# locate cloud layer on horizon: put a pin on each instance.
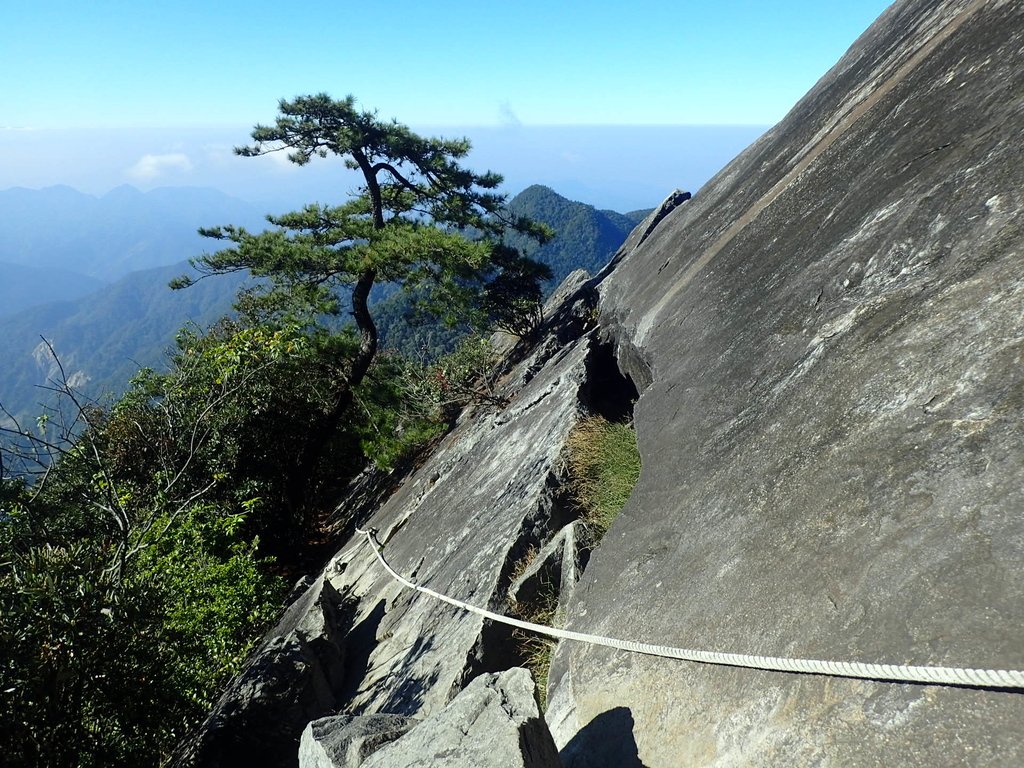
(153, 166)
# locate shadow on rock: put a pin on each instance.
(361, 641)
(607, 741)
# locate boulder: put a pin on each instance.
(344, 741)
(493, 723)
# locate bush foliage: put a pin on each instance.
(139, 569)
(142, 560)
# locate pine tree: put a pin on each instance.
(419, 220)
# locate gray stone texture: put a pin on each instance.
(833, 330)
(292, 678)
(460, 524)
(555, 569)
(493, 723)
(344, 741)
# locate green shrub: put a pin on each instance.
(101, 665)
(537, 651)
(407, 404)
(85, 678)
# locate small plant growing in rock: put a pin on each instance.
(536, 650)
(521, 566)
(604, 464)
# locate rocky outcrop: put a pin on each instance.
(828, 344)
(554, 569)
(493, 722)
(831, 438)
(292, 678)
(344, 741)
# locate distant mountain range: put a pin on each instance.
(104, 238)
(585, 238)
(23, 286)
(104, 338)
(104, 333)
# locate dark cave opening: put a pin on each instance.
(608, 392)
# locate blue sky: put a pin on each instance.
(126, 91)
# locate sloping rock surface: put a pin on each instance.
(555, 569)
(832, 435)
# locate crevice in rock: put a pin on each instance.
(607, 391)
(553, 546)
(923, 155)
(607, 400)
(495, 650)
(498, 647)
(360, 643)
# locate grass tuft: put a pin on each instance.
(604, 463)
(536, 650)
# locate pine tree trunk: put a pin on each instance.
(300, 484)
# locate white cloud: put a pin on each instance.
(280, 159)
(151, 166)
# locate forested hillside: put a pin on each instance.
(584, 238)
(105, 335)
(104, 338)
(23, 286)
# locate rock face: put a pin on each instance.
(555, 568)
(494, 722)
(828, 340)
(831, 437)
(345, 742)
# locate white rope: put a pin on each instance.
(986, 678)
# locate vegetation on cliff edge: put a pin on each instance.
(143, 554)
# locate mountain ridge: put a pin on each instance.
(824, 346)
(106, 335)
(106, 237)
